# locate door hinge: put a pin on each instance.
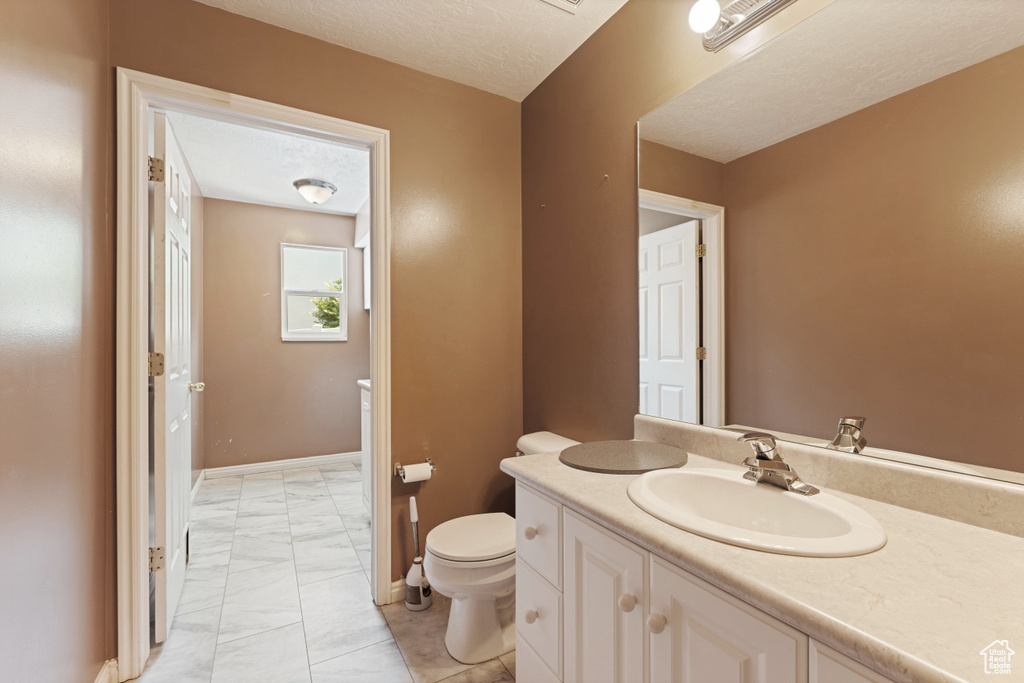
(702, 250)
(156, 170)
(702, 353)
(156, 559)
(156, 364)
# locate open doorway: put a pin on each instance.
(681, 306)
(260, 303)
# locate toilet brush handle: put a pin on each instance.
(414, 514)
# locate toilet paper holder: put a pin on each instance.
(400, 471)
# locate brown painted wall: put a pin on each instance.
(671, 171)
(579, 229)
(268, 399)
(455, 200)
(874, 267)
(57, 604)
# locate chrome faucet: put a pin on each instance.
(849, 438)
(768, 467)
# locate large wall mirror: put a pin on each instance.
(858, 184)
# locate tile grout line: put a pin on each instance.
(227, 573)
(298, 589)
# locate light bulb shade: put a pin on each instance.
(315, 191)
(704, 15)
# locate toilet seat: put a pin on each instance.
(475, 538)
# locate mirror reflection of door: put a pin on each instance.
(669, 317)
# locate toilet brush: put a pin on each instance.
(417, 588)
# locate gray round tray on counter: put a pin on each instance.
(622, 457)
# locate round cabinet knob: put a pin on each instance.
(627, 602)
(198, 386)
(656, 623)
(531, 616)
(530, 533)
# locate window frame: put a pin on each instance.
(324, 336)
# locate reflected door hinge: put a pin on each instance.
(702, 353)
(702, 250)
(156, 170)
(156, 559)
(156, 364)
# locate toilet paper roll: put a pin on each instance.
(418, 472)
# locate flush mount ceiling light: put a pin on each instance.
(315, 191)
(722, 25)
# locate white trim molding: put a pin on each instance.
(196, 486)
(398, 591)
(713, 294)
(107, 674)
(138, 94)
(279, 465)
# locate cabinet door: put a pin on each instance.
(699, 634)
(829, 666)
(604, 605)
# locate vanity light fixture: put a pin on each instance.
(722, 25)
(315, 191)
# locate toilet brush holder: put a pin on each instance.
(417, 589)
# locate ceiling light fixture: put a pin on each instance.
(315, 191)
(722, 25)
(704, 15)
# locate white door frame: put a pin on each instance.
(712, 294)
(137, 93)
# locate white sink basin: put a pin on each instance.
(724, 506)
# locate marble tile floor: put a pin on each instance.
(278, 591)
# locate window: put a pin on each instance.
(314, 306)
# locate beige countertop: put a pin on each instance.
(920, 609)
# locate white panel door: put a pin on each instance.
(699, 634)
(604, 605)
(669, 304)
(366, 446)
(172, 315)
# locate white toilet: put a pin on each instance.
(472, 560)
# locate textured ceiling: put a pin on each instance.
(850, 55)
(506, 47)
(243, 164)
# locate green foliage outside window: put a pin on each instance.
(327, 311)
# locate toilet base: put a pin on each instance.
(480, 629)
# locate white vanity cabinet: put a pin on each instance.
(604, 604)
(829, 666)
(627, 616)
(700, 633)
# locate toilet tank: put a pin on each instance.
(542, 442)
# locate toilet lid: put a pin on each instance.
(474, 538)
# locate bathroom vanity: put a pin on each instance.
(607, 592)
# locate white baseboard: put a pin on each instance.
(276, 465)
(398, 591)
(195, 487)
(108, 674)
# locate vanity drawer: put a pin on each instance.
(539, 616)
(530, 668)
(539, 533)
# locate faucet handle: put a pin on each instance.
(855, 422)
(763, 444)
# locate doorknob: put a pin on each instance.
(530, 616)
(530, 533)
(198, 386)
(627, 602)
